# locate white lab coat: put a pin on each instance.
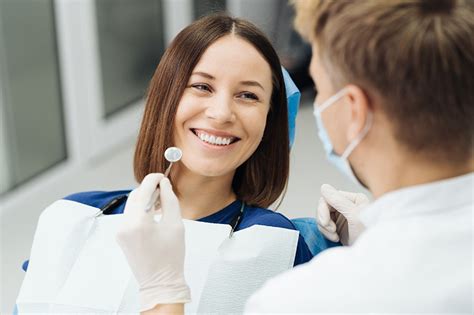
(416, 255)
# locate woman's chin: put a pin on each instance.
(212, 171)
(204, 167)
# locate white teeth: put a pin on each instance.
(213, 139)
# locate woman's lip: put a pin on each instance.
(216, 133)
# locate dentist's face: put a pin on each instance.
(221, 116)
(335, 117)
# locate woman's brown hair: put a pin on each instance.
(261, 179)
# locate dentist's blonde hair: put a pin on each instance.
(416, 56)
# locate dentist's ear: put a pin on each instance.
(359, 104)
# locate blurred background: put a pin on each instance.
(73, 74)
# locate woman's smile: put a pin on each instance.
(215, 137)
(211, 142)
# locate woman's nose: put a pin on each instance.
(220, 109)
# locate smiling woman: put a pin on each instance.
(225, 74)
(219, 95)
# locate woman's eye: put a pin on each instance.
(249, 96)
(201, 87)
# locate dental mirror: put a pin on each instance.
(172, 155)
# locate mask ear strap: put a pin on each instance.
(359, 137)
(331, 100)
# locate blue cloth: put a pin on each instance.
(293, 97)
(314, 239)
(251, 216)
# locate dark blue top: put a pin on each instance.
(251, 216)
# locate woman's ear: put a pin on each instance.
(359, 105)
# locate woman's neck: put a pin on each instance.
(200, 196)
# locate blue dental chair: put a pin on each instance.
(314, 239)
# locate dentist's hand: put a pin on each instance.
(338, 214)
(155, 250)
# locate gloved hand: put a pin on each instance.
(155, 250)
(338, 214)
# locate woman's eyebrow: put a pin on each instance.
(210, 77)
(252, 83)
(203, 74)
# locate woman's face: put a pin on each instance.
(222, 114)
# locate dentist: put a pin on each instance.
(395, 112)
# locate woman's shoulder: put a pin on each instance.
(262, 216)
(96, 199)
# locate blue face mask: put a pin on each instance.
(340, 161)
(293, 96)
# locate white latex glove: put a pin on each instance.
(338, 214)
(155, 250)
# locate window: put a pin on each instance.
(131, 43)
(32, 125)
(204, 7)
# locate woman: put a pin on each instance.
(218, 94)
